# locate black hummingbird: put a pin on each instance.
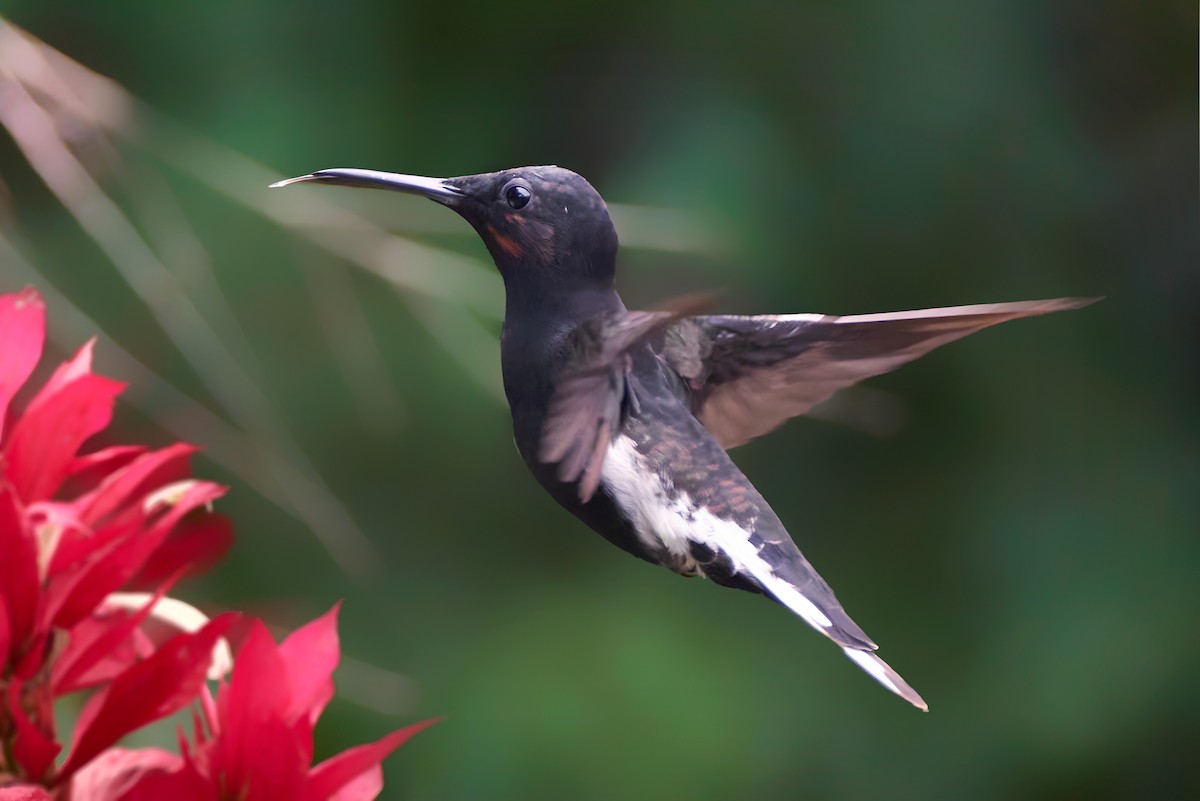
(625, 417)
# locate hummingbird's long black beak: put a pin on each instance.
(433, 188)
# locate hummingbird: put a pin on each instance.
(625, 417)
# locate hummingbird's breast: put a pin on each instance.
(530, 365)
(535, 350)
(667, 473)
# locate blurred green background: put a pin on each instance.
(1024, 548)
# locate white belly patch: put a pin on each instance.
(644, 495)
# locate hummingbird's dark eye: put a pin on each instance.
(517, 196)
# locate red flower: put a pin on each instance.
(256, 742)
(61, 627)
(76, 532)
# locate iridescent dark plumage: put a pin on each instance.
(625, 417)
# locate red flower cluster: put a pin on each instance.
(68, 622)
(256, 741)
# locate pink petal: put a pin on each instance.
(55, 524)
(366, 786)
(109, 775)
(311, 654)
(164, 683)
(78, 366)
(143, 774)
(33, 748)
(18, 580)
(24, 792)
(22, 332)
(338, 772)
(44, 442)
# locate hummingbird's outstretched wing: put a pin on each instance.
(748, 374)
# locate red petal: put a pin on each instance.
(74, 664)
(269, 766)
(83, 636)
(311, 654)
(44, 442)
(90, 468)
(256, 750)
(4, 634)
(208, 713)
(337, 772)
(145, 474)
(256, 691)
(25, 792)
(63, 585)
(33, 749)
(193, 547)
(164, 683)
(22, 332)
(75, 368)
(73, 594)
(120, 492)
(18, 579)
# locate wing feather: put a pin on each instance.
(748, 374)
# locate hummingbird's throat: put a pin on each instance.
(523, 240)
(510, 246)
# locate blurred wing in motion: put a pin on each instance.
(748, 374)
(590, 395)
(589, 398)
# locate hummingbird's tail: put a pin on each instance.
(788, 578)
(821, 611)
(882, 672)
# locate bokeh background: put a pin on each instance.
(1023, 543)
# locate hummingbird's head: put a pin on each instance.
(544, 226)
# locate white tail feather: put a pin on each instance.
(888, 678)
